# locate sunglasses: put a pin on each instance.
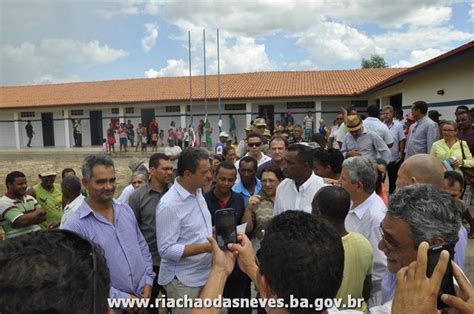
(254, 144)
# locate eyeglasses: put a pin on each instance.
(391, 245)
(257, 144)
(448, 130)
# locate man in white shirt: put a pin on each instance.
(173, 152)
(358, 178)
(398, 149)
(72, 197)
(297, 191)
(255, 147)
(332, 142)
(183, 223)
(372, 123)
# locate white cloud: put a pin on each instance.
(52, 60)
(173, 68)
(149, 41)
(471, 13)
(244, 56)
(418, 56)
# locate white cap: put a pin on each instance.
(223, 134)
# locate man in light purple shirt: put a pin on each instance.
(112, 225)
(183, 224)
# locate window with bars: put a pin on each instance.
(78, 112)
(172, 109)
(115, 111)
(27, 114)
(130, 110)
(300, 105)
(233, 107)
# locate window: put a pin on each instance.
(172, 109)
(130, 110)
(233, 107)
(115, 111)
(300, 105)
(78, 112)
(360, 103)
(27, 114)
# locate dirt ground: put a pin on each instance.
(29, 162)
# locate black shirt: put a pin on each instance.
(236, 201)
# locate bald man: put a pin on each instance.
(422, 168)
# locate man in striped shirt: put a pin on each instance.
(19, 213)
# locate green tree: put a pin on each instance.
(375, 61)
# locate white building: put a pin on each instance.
(444, 82)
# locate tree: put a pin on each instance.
(375, 61)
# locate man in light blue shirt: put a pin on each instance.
(423, 133)
(359, 142)
(248, 184)
(112, 225)
(183, 224)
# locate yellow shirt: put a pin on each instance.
(441, 151)
(51, 202)
(358, 261)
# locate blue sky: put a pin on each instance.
(46, 42)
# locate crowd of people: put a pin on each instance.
(317, 221)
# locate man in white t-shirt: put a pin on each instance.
(332, 142)
(173, 152)
(297, 191)
(358, 178)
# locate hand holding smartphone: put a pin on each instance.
(447, 284)
(226, 229)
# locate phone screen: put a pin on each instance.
(447, 284)
(226, 231)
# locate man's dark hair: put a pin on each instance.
(333, 201)
(373, 111)
(94, 160)
(275, 169)
(278, 138)
(71, 183)
(154, 161)
(304, 154)
(12, 176)
(254, 134)
(189, 159)
(249, 159)
(226, 165)
(67, 170)
(298, 251)
(453, 177)
(53, 271)
(332, 157)
(421, 106)
(462, 107)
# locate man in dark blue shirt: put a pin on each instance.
(219, 197)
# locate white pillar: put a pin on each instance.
(248, 114)
(318, 107)
(182, 115)
(16, 127)
(67, 125)
(122, 114)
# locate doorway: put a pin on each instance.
(268, 113)
(47, 124)
(95, 118)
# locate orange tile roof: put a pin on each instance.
(245, 86)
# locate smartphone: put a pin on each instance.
(447, 284)
(226, 228)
